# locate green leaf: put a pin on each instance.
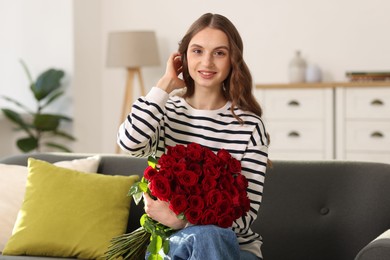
(27, 144)
(17, 119)
(27, 71)
(46, 83)
(17, 103)
(143, 219)
(47, 122)
(155, 244)
(152, 161)
(137, 197)
(64, 135)
(58, 146)
(53, 98)
(166, 246)
(143, 186)
(181, 216)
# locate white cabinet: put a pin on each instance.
(299, 121)
(363, 131)
(349, 121)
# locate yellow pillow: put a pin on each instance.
(67, 213)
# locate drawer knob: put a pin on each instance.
(294, 134)
(293, 103)
(377, 134)
(377, 102)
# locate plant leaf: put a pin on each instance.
(64, 135)
(166, 246)
(16, 119)
(46, 83)
(17, 103)
(27, 71)
(46, 122)
(27, 144)
(58, 146)
(53, 98)
(155, 244)
(152, 161)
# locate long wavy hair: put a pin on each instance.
(237, 87)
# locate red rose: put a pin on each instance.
(196, 168)
(210, 157)
(195, 152)
(178, 167)
(223, 207)
(224, 156)
(245, 202)
(234, 166)
(160, 187)
(193, 215)
(208, 183)
(226, 182)
(241, 182)
(225, 221)
(166, 161)
(149, 172)
(237, 212)
(178, 151)
(196, 202)
(209, 217)
(178, 204)
(213, 197)
(187, 178)
(167, 174)
(210, 170)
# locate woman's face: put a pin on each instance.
(208, 58)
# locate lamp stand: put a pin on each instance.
(128, 97)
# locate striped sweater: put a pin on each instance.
(159, 120)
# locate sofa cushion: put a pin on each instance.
(68, 213)
(12, 188)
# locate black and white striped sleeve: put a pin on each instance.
(139, 132)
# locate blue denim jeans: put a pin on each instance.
(206, 242)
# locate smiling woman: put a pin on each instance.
(217, 111)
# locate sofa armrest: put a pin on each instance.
(378, 249)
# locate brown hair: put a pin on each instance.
(238, 84)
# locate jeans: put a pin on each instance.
(204, 243)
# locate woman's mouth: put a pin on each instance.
(206, 74)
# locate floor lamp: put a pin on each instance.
(132, 50)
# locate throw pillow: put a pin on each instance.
(13, 185)
(69, 213)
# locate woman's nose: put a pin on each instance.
(208, 60)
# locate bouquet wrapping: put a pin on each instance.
(202, 187)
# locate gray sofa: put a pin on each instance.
(314, 210)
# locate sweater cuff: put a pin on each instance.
(158, 96)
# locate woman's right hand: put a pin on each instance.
(170, 81)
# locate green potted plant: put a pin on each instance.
(40, 127)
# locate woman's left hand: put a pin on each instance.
(159, 211)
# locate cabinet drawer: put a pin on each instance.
(367, 136)
(368, 103)
(298, 103)
(296, 136)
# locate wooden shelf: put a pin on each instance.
(325, 84)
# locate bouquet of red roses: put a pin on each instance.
(202, 187)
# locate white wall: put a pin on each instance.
(39, 32)
(338, 35)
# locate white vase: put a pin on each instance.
(313, 73)
(297, 69)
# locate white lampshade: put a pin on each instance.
(132, 49)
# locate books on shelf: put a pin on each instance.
(368, 75)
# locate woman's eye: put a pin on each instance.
(219, 53)
(197, 51)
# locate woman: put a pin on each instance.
(217, 110)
